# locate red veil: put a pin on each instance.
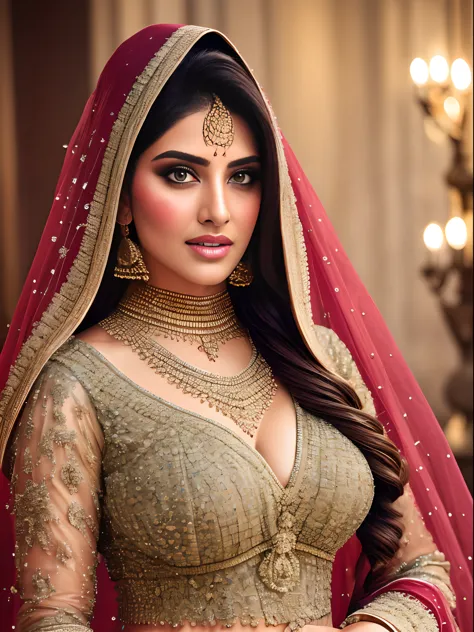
(326, 295)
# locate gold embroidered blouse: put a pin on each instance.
(194, 525)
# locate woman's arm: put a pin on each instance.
(56, 487)
(395, 605)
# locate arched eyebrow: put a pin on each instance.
(197, 160)
(243, 161)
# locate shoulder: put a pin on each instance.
(75, 361)
(97, 338)
(95, 360)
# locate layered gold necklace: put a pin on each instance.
(210, 321)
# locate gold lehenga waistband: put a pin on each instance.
(163, 571)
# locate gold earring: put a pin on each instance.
(130, 263)
(241, 276)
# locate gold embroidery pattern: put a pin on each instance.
(80, 520)
(58, 434)
(33, 513)
(64, 436)
(403, 611)
(58, 395)
(46, 445)
(63, 553)
(27, 461)
(71, 475)
(42, 586)
(30, 406)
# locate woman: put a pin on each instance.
(205, 428)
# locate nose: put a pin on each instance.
(214, 207)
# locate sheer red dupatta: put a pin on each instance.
(325, 292)
(339, 301)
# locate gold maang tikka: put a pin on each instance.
(218, 126)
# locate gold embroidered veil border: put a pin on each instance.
(70, 304)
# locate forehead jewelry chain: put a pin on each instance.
(218, 126)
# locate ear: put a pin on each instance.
(124, 212)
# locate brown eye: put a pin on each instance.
(242, 177)
(179, 175)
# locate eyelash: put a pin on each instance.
(250, 172)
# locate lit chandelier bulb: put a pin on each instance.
(439, 69)
(456, 233)
(452, 108)
(419, 71)
(433, 237)
(461, 74)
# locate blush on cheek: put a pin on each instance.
(153, 206)
(249, 213)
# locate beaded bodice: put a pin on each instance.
(195, 524)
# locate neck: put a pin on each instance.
(167, 280)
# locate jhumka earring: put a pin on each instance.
(241, 276)
(130, 263)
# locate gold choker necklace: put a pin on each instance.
(207, 320)
(243, 397)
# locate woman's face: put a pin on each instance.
(182, 192)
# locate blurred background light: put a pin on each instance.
(433, 237)
(461, 74)
(439, 69)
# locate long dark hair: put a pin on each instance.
(264, 307)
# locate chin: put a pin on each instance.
(206, 273)
(209, 279)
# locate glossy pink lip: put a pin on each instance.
(211, 252)
(211, 239)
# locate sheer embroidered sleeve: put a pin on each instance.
(56, 488)
(398, 609)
